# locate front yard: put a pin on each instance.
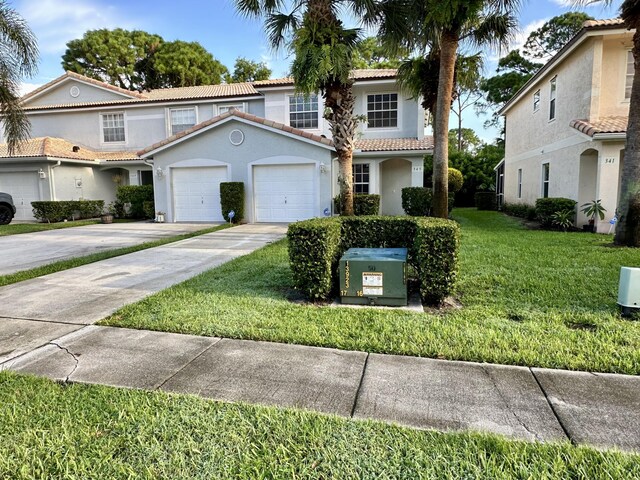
(530, 298)
(49, 430)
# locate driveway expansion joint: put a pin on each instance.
(357, 396)
(553, 410)
(158, 387)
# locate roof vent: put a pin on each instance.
(76, 149)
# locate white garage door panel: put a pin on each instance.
(23, 187)
(284, 193)
(196, 193)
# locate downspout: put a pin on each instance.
(52, 183)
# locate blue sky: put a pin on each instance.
(215, 24)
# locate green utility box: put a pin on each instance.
(374, 276)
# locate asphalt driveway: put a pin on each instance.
(31, 250)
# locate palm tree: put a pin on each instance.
(442, 25)
(628, 226)
(323, 58)
(18, 58)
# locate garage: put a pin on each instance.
(23, 187)
(196, 193)
(284, 193)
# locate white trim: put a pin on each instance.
(237, 119)
(365, 109)
(625, 74)
(167, 117)
(244, 105)
(519, 184)
(542, 179)
(610, 136)
(287, 112)
(62, 81)
(553, 97)
(536, 107)
(101, 132)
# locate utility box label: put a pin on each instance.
(372, 283)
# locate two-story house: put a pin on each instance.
(566, 127)
(88, 137)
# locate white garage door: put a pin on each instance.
(23, 187)
(284, 193)
(196, 194)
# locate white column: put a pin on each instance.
(607, 182)
(417, 172)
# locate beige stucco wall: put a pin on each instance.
(614, 66)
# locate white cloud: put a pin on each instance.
(26, 87)
(56, 22)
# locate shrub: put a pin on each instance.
(57, 211)
(363, 204)
(149, 209)
(416, 201)
(455, 180)
(546, 207)
(315, 247)
(135, 195)
(232, 198)
(521, 210)
(486, 200)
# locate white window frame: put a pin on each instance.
(536, 101)
(242, 106)
(354, 173)
(546, 168)
(365, 109)
(519, 192)
(553, 95)
(627, 74)
(124, 120)
(289, 112)
(171, 109)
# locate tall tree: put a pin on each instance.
(245, 70)
(546, 41)
(466, 90)
(186, 64)
(18, 59)
(444, 25)
(628, 226)
(323, 52)
(370, 53)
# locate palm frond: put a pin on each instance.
(279, 26)
(494, 30)
(20, 48)
(257, 8)
(15, 122)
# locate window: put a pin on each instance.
(552, 98)
(519, 183)
(545, 180)
(225, 108)
(113, 127)
(629, 77)
(181, 119)
(360, 178)
(303, 111)
(145, 177)
(382, 110)
(536, 101)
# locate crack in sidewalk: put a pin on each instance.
(73, 355)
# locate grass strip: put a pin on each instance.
(73, 431)
(18, 228)
(96, 257)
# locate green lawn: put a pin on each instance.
(530, 298)
(72, 431)
(96, 257)
(16, 228)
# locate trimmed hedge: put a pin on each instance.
(136, 195)
(416, 201)
(149, 209)
(315, 248)
(363, 204)
(486, 200)
(232, 198)
(456, 180)
(521, 210)
(546, 207)
(52, 211)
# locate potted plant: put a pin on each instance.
(107, 213)
(160, 217)
(591, 210)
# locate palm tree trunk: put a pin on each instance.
(628, 227)
(448, 52)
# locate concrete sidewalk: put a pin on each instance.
(601, 410)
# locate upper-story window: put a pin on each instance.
(303, 111)
(225, 108)
(113, 128)
(360, 177)
(629, 77)
(181, 119)
(536, 101)
(552, 98)
(382, 110)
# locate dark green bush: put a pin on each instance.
(521, 210)
(486, 200)
(57, 211)
(135, 195)
(315, 247)
(456, 180)
(363, 204)
(149, 209)
(547, 207)
(232, 198)
(416, 201)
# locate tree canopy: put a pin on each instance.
(245, 70)
(370, 53)
(547, 40)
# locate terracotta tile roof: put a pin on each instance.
(608, 22)
(203, 91)
(361, 74)
(60, 148)
(614, 124)
(246, 116)
(394, 144)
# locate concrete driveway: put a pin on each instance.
(31, 250)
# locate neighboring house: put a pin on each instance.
(566, 128)
(89, 136)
